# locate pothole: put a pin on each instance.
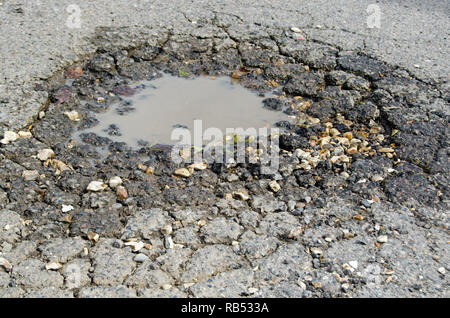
(341, 136)
(159, 106)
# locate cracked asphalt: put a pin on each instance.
(358, 207)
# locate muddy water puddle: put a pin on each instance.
(168, 102)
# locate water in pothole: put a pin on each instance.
(171, 102)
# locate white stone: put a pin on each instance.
(66, 208)
(45, 154)
(296, 30)
(115, 181)
(25, 134)
(182, 172)
(72, 115)
(30, 175)
(252, 290)
(353, 264)
(5, 264)
(168, 243)
(135, 246)
(96, 186)
(9, 136)
(241, 195)
(382, 239)
(274, 186)
(198, 166)
(167, 229)
(53, 266)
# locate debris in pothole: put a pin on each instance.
(9, 136)
(96, 186)
(73, 115)
(30, 175)
(115, 181)
(182, 172)
(45, 154)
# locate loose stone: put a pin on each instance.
(66, 208)
(274, 186)
(140, 258)
(73, 115)
(135, 246)
(53, 266)
(9, 136)
(93, 237)
(382, 239)
(198, 166)
(353, 264)
(241, 195)
(167, 229)
(5, 264)
(25, 134)
(115, 181)
(96, 186)
(182, 172)
(121, 193)
(30, 175)
(168, 242)
(45, 154)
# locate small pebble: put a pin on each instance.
(93, 237)
(53, 266)
(198, 166)
(182, 172)
(121, 193)
(441, 270)
(135, 246)
(96, 186)
(233, 177)
(73, 115)
(382, 239)
(30, 175)
(5, 264)
(140, 258)
(45, 154)
(274, 186)
(9, 136)
(66, 208)
(168, 242)
(115, 181)
(167, 229)
(25, 134)
(316, 252)
(353, 264)
(241, 195)
(252, 290)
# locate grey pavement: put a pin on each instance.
(36, 41)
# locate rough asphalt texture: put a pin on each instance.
(359, 216)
